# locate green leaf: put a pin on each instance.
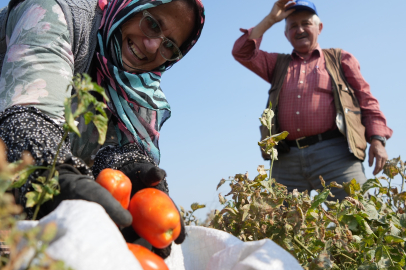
(351, 187)
(392, 239)
(245, 209)
(100, 90)
(37, 187)
(287, 241)
(88, 116)
(363, 224)
(371, 183)
(229, 210)
(393, 229)
(32, 198)
(196, 206)
(320, 198)
(70, 122)
(378, 253)
(99, 106)
(101, 124)
(23, 176)
(371, 211)
(268, 186)
(402, 220)
(351, 222)
(222, 181)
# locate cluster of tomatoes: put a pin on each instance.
(147, 206)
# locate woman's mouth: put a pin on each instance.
(135, 50)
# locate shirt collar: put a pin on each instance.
(317, 52)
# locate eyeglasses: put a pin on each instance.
(151, 28)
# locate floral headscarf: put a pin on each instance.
(138, 105)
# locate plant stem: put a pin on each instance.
(387, 252)
(351, 259)
(270, 170)
(303, 246)
(50, 175)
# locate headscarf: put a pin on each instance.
(137, 103)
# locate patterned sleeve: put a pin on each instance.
(38, 65)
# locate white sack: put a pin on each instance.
(88, 239)
(210, 249)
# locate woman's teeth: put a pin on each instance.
(134, 50)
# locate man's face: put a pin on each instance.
(302, 32)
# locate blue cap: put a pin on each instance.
(304, 5)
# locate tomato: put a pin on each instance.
(117, 183)
(155, 217)
(147, 259)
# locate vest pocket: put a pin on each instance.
(356, 130)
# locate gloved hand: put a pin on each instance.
(143, 175)
(74, 185)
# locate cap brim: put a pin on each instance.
(303, 8)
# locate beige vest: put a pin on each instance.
(348, 117)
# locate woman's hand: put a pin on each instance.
(277, 14)
(143, 175)
(75, 186)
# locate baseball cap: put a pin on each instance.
(304, 5)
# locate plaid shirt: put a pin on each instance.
(306, 101)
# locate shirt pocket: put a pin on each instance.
(323, 80)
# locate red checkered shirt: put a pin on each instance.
(306, 102)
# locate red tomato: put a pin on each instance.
(147, 259)
(155, 217)
(117, 183)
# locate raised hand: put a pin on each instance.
(277, 14)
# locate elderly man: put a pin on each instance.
(320, 98)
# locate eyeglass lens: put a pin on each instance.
(151, 29)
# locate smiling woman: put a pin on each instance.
(126, 45)
(147, 36)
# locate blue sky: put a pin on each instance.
(216, 102)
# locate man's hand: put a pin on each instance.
(277, 14)
(377, 151)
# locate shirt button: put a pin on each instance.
(298, 129)
(298, 96)
(297, 112)
(304, 71)
(304, 62)
(301, 81)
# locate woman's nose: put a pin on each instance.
(152, 44)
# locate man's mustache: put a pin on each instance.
(302, 35)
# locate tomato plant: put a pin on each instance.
(155, 217)
(117, 183)
(147, 259)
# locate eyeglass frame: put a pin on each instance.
(145, 14)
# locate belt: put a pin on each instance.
(307, 141)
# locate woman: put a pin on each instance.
(126, 45)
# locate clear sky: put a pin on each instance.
(216, 102)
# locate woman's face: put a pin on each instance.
(176, 20)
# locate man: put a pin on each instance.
(317, 95)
